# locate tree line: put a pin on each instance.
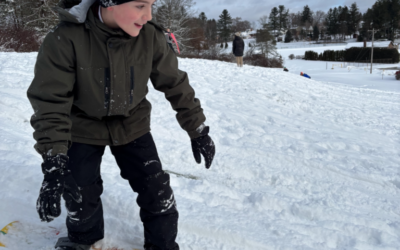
(339, 22)
(29, 19)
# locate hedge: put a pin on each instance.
(361, 54)
(354, 54)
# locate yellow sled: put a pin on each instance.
(5, 230)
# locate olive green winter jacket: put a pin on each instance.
(90, 84)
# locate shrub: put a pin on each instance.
(226, 45)
(288, 37)
(262, 61)
(332, 55)
(291, 56)
(249, 59)
(18, 39)
(311, 55)
(355, 54)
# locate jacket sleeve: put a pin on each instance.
(233, 46)
(51, 94)
(174, 83)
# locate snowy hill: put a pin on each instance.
(300, 164)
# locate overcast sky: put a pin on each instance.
(252, 10)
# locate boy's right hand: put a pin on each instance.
(57, 180)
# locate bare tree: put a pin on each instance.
(318, 18)
(265, 42)
(175, 15)
(42, 16)
(263, 21)
(240, 25)
(29, 14)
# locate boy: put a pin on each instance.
(89, 91)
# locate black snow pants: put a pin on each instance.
(141, 166)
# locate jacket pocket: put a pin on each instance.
(107, 90)
(132, 86)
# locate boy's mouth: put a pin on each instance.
(138, 26)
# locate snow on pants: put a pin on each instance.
(141, 166)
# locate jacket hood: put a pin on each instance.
(74, 11)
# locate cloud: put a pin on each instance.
(252, 10)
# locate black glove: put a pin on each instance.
(204, 145)
(57, 180)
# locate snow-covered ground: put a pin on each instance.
(300, 164)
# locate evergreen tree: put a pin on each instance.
(203, 17)
(273, 19)
(288, 36)
(283, 16)
(315, 33)
(392, 17)
(211, 32)
(332, 21)
(224, 25)
(343, 20)
(354, 18)
(203, 20)
(306, 16)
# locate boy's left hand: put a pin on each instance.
(203, 145)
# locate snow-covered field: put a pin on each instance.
(350, 74)
(300, 164)
(302, 46)
(342, 73)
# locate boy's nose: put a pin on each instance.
(148, 16)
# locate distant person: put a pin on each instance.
(305, 75)
(285, 69)
(238, 48)
(169, 39)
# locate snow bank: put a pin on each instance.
(300, 164)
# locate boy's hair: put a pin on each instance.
(109, 3)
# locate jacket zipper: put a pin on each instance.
(132, 86)
(107, 90)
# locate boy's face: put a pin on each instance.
(131, 16)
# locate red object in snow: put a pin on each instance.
(176, 43)
(397, 75)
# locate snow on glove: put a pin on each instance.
(205, 146)
(57, 180)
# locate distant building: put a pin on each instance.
(249, 33)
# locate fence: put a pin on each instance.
(310, 45)
(362, 63)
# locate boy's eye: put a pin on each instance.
(140, 7)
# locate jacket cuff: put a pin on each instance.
(199, 131)
(51, 149)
